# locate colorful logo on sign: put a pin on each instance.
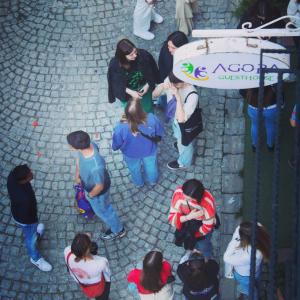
(198, 73)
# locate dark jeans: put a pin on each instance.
(105, 294)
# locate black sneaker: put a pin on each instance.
(109, 235)
(271, 149)
(173, 165)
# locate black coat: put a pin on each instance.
(117, 78)
(165, 62)
(199, 288)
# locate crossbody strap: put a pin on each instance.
(68, 266)
(190, 93)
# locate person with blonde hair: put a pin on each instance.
(137, 135)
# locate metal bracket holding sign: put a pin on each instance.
(230, 58)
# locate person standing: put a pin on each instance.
(24, 212)
(88, 269)
(166, 54)
(137, 135)
(187, 99)
(199, 277)
(143, 14)
(193, 208)
(132, 73)
(269, 115)
(152, 280)
(91, 172)
(237, 256)
(184, 15)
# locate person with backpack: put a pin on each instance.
(184, 99)
(91, 172)
(88, 269)
(137, 136)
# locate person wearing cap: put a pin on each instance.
(24, 212)
(91, 172)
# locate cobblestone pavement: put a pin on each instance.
(53, 61)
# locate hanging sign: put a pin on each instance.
(228, 63)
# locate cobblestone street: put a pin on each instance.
(53, 64)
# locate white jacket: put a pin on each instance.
(238, 258)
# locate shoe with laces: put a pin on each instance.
(42, 264)
(108, 235)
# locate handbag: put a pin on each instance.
(171, 109)
(193, 126)
(82, 204)
(155, 139)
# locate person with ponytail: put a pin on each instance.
(152, 280)
(237, 256)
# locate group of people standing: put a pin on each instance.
(134, 80)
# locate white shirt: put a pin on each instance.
(240, 258)
(88, 271)
(294, 10)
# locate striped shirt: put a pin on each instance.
(180, 206)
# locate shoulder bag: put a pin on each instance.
(193, 126)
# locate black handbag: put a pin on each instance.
(193, 126)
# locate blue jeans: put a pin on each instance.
(205, 246)
(243, 283)
(104, 210)
(149, 164)
(30, 236)
(269, 117)
(186, 153)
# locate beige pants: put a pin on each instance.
(184, 15)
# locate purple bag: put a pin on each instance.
(83, 204)
(171, 109)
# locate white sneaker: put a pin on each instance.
(42, 264)
(40, 229)
(147, 35)
(157, 18)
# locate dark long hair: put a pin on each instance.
(194, 189)
(263, 242)
(80, 246)
(152, 266)
(124, 47)
(134, 114)
(178, 38)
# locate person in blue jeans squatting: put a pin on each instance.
(92, 174)
(269, 115)
(137, 135)
(24, 212)
(237, 256)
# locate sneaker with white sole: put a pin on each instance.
(147, 35)
(174, 165)
(42, 264)
(40, 229)
(157, 18)
(109, 235)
